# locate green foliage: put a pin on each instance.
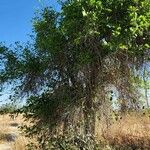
(48, 107)
(75, 142)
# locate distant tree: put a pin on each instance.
(8, 108)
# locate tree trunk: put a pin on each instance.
(89, 111)
(145, 87)
(89, 114)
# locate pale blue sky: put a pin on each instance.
(16, 16)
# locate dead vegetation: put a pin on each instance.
(130, 132)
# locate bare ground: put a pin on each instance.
(10, 135)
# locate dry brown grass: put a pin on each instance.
(20, 143)
(132, 131)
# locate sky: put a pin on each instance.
(16, 18)
(16, 23)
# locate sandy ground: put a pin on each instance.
(10, 128)
(5, 146)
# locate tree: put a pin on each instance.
(8, 108)
(67, 60)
